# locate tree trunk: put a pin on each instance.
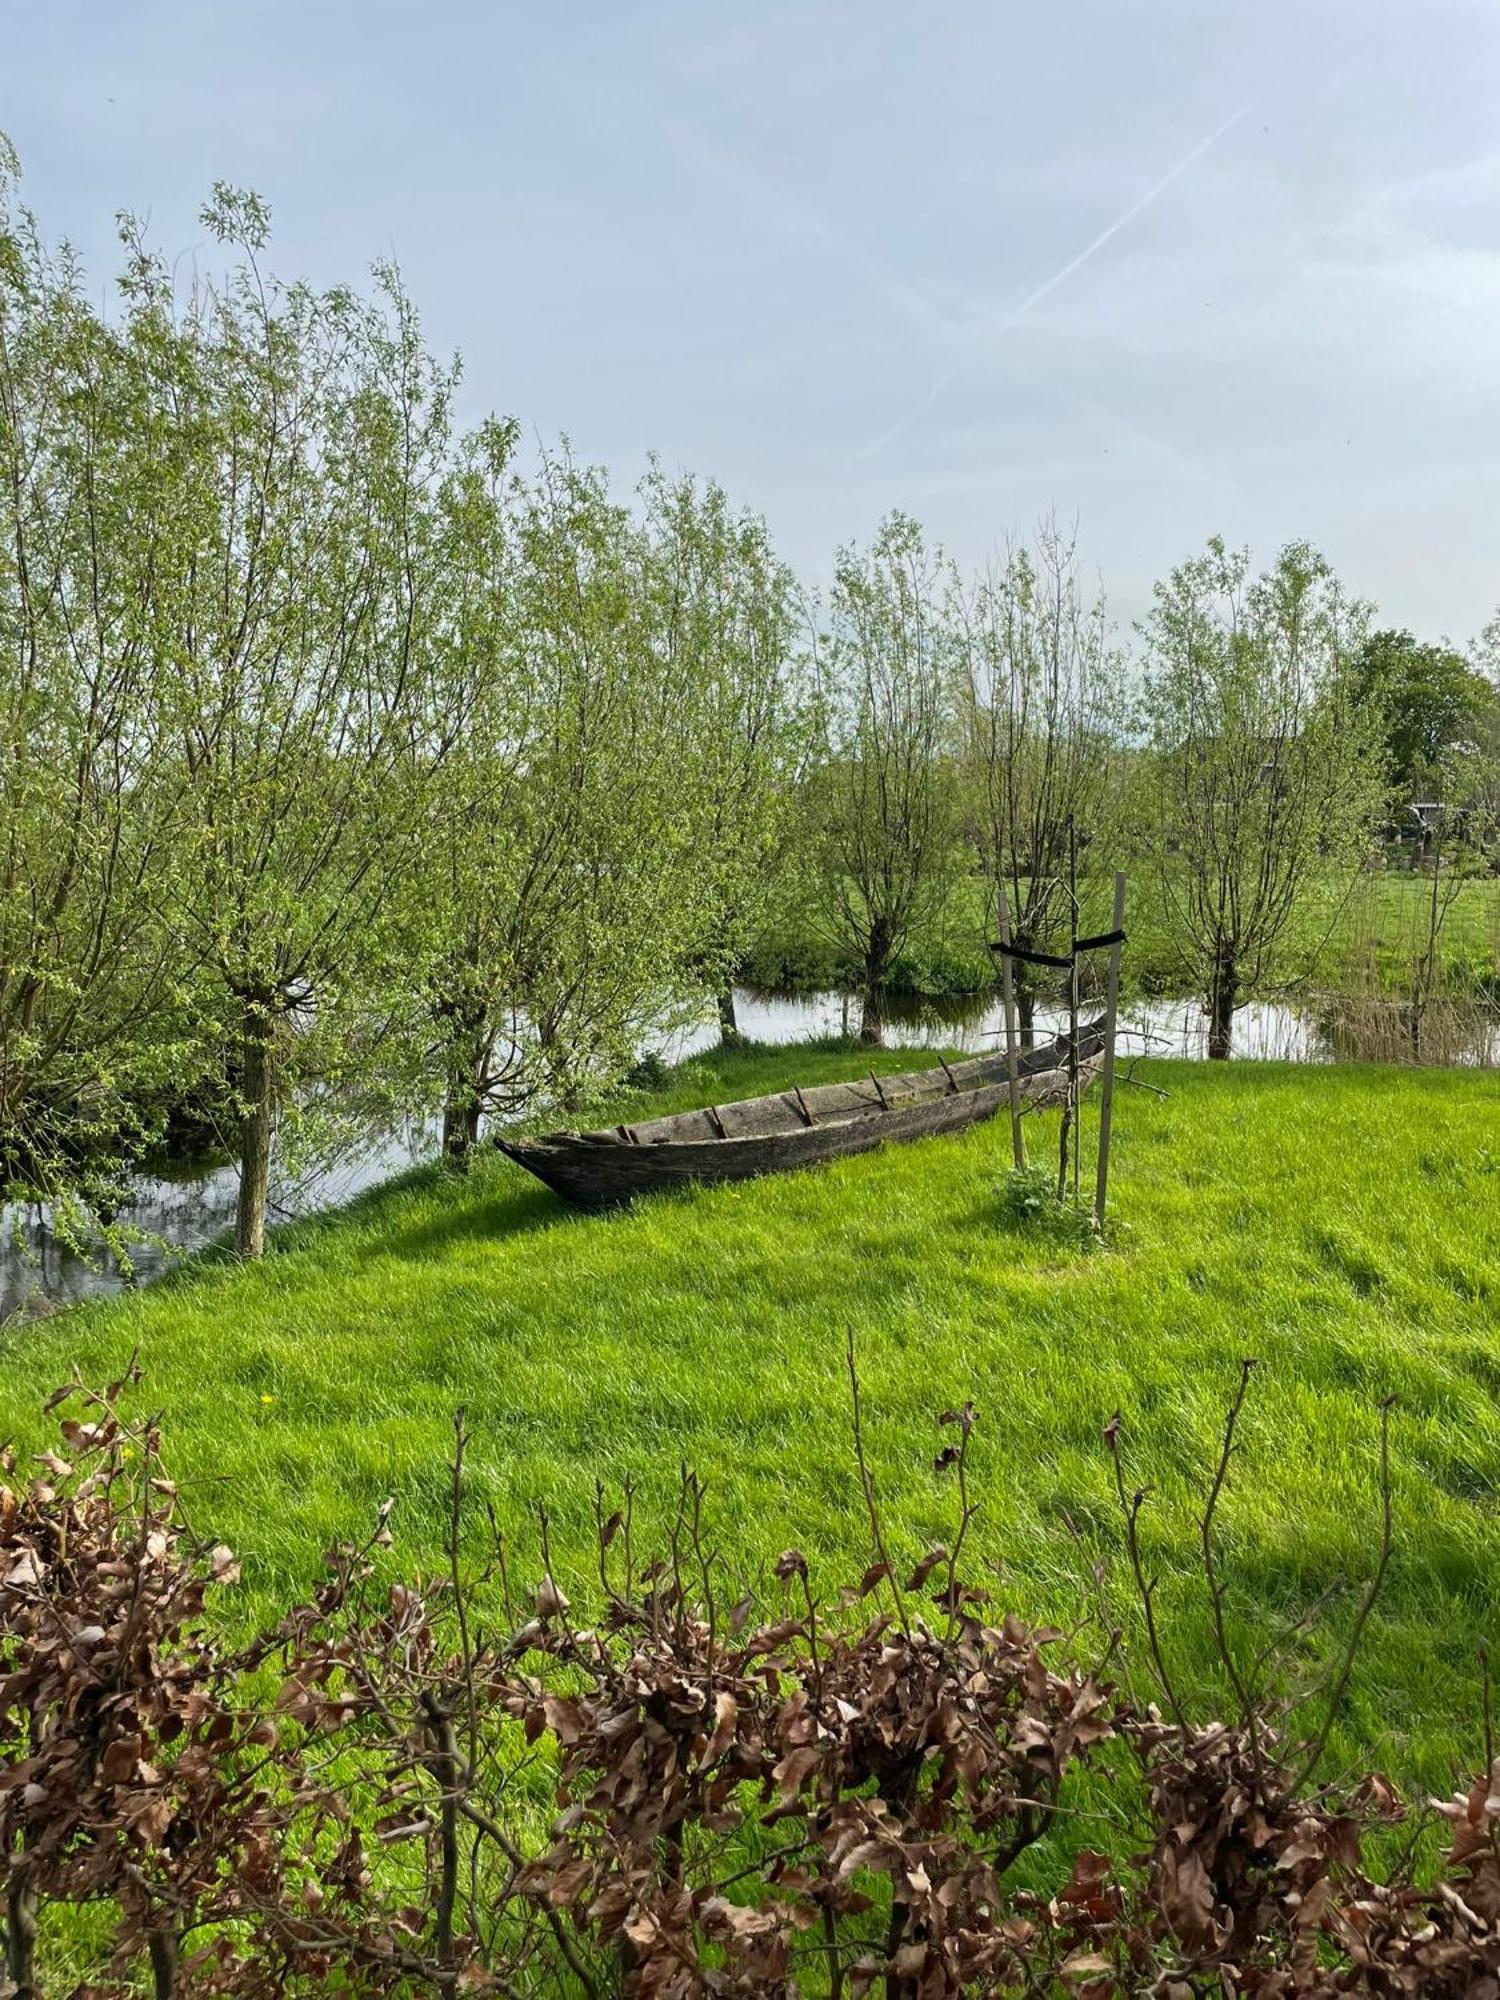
(872, 1000)
(258, 1095)
(729, 1027)
(1223, 997)
(872, 1019)
(460, 1127)
(469, 1051)
(1026, 1013)
(163, 1950)
(1025, 987)
(20, 1940)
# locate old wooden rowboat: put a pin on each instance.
(794, 1128)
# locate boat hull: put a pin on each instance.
(791, 1129)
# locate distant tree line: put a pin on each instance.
(351, 768)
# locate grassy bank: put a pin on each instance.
(1342, 1225)
(1360, 938)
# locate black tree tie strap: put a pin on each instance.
(1047, 958)
(1031, 957)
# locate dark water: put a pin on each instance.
(175, 1215)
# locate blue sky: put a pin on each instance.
(1171, 267)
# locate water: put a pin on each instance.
(185, 1212)
(1156, 1027)
(176, 1214)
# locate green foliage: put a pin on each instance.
(885, 800)
(99, 1008)
(311, 575)
(556, 900)
(1433, 708)
(1360, 929)
(648, 1073)
(1029, 1201)
(351, 769)
(725, 609)
(1041, 703)
(1261, 767)
(347, 770)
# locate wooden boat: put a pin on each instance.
(794, 1128)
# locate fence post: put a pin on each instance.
(1007, 988)
(1107, 1085)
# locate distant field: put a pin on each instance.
(1360, 936)
(1343, 1225)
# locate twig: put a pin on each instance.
(493, 1830)
(1129, 1077)
(1361, 1618)
(965, 1419)
(1210, 1568)
(1145, 1589)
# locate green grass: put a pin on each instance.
(1342, 1225)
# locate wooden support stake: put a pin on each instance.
(716, 1121)
(1008, 989)
(1107, 1081)
(952, 1079)
(1072, 1111)
(807, 1117)
(885, 1102)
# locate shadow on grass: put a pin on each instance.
(494, 1203)
(374, 1224)
(498, 1214)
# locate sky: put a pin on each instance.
(1163, 268)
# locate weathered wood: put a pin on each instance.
(948, 1073)
(1107, 1083)
(885, 1102)
(794, 1128)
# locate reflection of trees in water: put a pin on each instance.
(169, 1218)
(975, 1023)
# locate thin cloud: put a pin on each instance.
(1123, 221)
(1003, 322)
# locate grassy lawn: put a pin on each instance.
(1342, 1225)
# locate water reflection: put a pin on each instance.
(189, 1211)
(1262, 1032)
(174, 1215)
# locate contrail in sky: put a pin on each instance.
(1125, 221)
(1005, 321)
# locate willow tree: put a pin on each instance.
(565, 886)
(1040, 696)
(1264, 771)
(299, 659)
(726, 611)
(97, 1015)
(888, 794)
